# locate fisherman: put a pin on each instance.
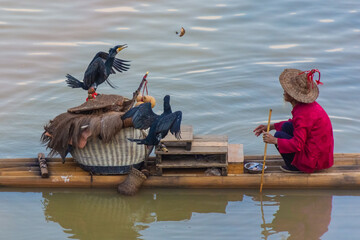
(306, 141)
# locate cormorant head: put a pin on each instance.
(167, 107)
(115, 50)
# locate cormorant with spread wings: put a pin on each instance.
(99, 69)
(143, 117)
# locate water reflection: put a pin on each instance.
(285, 63)
(21, 10)
(326, 20)
(209, 17)
(206, 29)
(72, 44)
(117, 9)
(82, 214)
(335, 50)
(283, 46)
(301, 216)
(38, 53)
(107, 215)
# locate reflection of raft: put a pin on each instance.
(25, 172)
(79, 212)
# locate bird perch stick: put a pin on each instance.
(263, 167)
(136, 93)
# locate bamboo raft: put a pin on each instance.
(184, 166)
(26, 172)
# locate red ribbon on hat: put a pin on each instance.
(310, 76)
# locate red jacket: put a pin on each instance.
(313, 141)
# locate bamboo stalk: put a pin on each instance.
(263, 167)
(43, 166)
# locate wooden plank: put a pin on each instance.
(34, 160)
(22, 164)
(208, 144)
(271, 180)
(272, 162)
(195, 150)
(235, 159)
(52, 181)
(346, 161)
(211, 138)
(202, 144)
(186, 135)
(235, 168)
(347, 155)
(184, 172)
(190, 164)
(20, 173)
(29, 168)
(279, 161)
(38, 173)
(261, 157)
(337, 156)
(347, 180)
(236, 153)
(342, 168)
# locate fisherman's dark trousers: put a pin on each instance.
(287, 132)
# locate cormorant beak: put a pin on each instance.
(121, 48)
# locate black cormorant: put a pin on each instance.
(99, 69)
(143, 117)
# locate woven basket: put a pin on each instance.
(114, 157)
(132, 183)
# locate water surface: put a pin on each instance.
(179, 214)
(222, 74)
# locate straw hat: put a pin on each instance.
(300, 84)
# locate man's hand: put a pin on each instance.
(259, 129)
(268, 138)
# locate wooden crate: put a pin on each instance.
(235, 159)
(186, 138)
(207, 151)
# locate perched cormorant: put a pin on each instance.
(99, 69)
(143, 117)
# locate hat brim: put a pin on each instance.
(286, 81)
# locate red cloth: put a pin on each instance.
(313, 141)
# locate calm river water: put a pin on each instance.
(222, 74)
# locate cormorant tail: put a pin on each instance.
(74, 83)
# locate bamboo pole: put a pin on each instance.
(344, 180)
(263, 167)
(43, 166)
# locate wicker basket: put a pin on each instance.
(114, 157)
(132, 182)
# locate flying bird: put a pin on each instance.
(99, 69)
(143, 117)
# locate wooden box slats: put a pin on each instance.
(207, 151)
(184, 142)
